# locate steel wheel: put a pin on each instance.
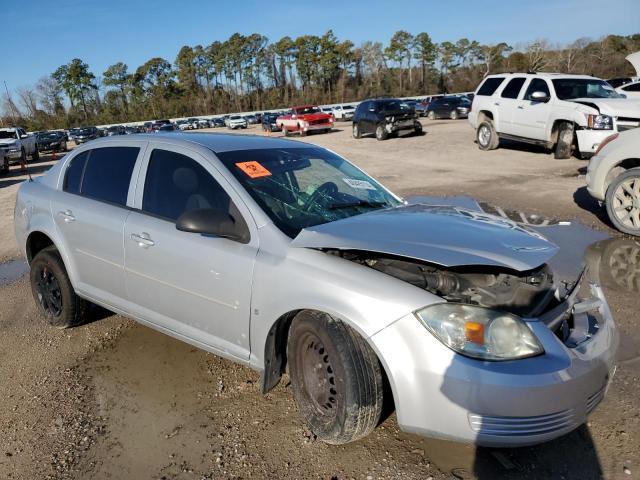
(626, 203)
(319, 381)
(49, 292)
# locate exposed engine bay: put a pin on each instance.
(522, 293)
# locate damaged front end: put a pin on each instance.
(572, 311)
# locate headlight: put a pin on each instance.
(600, 122)
(480, 332)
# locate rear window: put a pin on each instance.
(490, 85)
(513, 88)
(107, 174)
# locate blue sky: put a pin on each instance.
(38, 35)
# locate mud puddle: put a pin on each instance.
(12, 270)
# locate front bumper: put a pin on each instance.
(11, 153)
(399, 125)
(589, 140)
(317, 126)
(441, 394)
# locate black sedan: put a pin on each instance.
(449, 107)
(51, 142)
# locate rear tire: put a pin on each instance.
(52, 290)
(35, 156)
(565, 139)
(486, 136)
(356, 131)
(5, 166)
(381, 133)
(336, 378)
(417, 128)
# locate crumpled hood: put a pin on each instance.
(614, 107)
(443, 235)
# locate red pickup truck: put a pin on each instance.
(304, 119)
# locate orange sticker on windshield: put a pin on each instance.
(253, 169)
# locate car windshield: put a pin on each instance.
(303, 187)
(394, 106)
(113, 129)
(307, 110)
(569, 88)
(234, 117)
(5, 134)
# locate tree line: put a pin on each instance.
(248, 72)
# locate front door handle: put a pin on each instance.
(143, 239)
(497, 104)
(67, 216)
(520, 107)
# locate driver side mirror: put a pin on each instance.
(539, 96)
(213, 221)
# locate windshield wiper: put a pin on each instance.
(360, 203)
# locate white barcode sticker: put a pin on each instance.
(359, 184)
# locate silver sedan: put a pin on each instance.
(284, 256)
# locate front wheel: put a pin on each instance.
(381, 133)
(453, 115)
(431, 115)
(336, 378)
(52, 290)
(356, 131)
(623, 202)
(565, 139)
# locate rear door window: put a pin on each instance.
(107, 174)
(512, 90)
(489, 86)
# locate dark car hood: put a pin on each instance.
(443, 235)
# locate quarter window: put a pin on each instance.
(73, 177)
(537, 85)
(513, 88)
(176, 184)
(490, 85)
(107, 174)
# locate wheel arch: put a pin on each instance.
(618, 168)
(555, 127)
(36, 242)
(275, 350)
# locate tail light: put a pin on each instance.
(607, 140)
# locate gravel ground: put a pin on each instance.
(112, 399)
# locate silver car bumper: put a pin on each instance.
(441, 394)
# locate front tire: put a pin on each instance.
(417, 128)
(52, 290)
(565, 139)
(381, 133)
(623, 202)
(336, 378)
(35, 156)
(453, 115)
(486, 136)
(431, 115)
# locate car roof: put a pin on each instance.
(547, 75)
(216, 142)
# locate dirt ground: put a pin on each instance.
(115, 400)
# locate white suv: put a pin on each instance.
(555, 110)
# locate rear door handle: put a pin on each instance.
(143, 239)
(497, 104)
(67, 216)
(520, 107)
